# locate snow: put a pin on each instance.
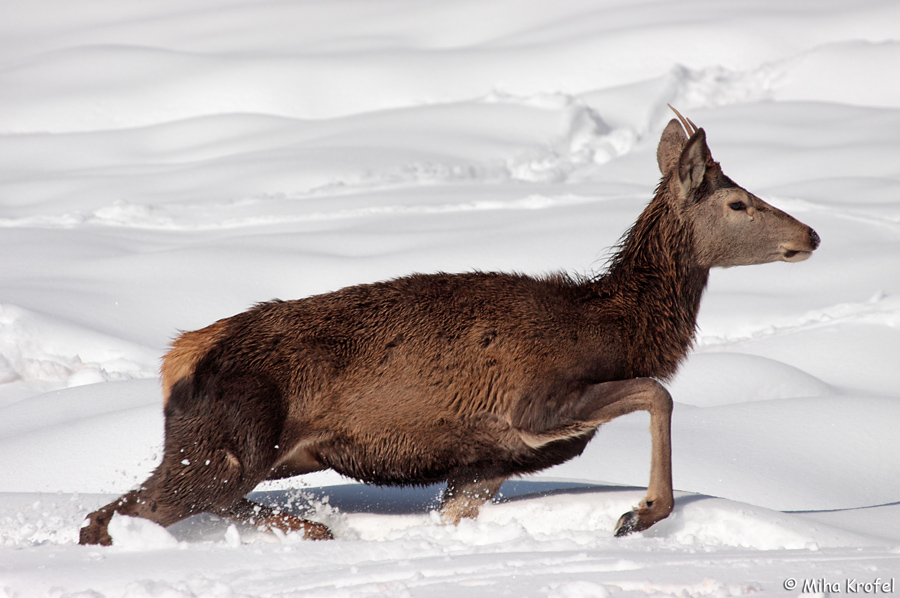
(167, 164)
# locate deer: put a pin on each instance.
(467, 379)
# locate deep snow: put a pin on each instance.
(166, 164)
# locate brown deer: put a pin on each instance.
(465, 378)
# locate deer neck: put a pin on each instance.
(653, 287)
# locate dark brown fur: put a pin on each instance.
(469, 378)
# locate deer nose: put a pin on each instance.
(814, 239)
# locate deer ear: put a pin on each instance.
(670, 145)
(692, 162)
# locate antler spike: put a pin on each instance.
(689, 126)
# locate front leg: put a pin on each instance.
(660, 499)
(603, 402)
(463, 497)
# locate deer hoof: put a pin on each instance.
(316, 531)
(628, 523)
(642, 517)
(291, 523)
(95, 532)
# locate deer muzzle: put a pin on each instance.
(801, 250)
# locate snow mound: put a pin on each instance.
(136, 534)
(46, 352)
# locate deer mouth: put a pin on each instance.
(794, 255)
(790, 252)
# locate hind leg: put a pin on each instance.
(96, 527)
(219, 444)
(185, 483)
(264, 517)
(146, 502)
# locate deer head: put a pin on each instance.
(730, 225)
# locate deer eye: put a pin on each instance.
(737, 206)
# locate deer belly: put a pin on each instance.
(425, 456)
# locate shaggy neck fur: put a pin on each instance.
(654, 285)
